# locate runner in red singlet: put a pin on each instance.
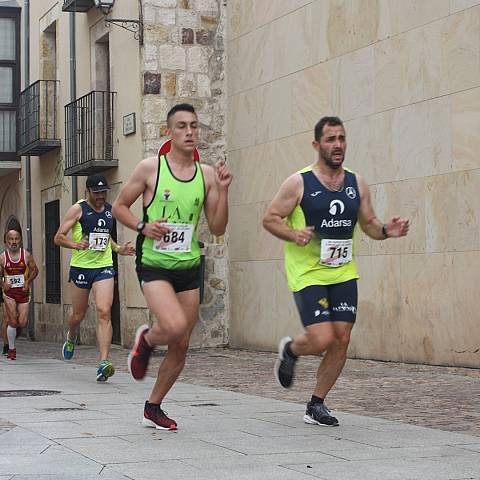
(17, 272)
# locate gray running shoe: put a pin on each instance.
(319, 414)
(285, 365)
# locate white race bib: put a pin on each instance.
(15, 281)
(178, 239)
(98, 241)
(335, 253)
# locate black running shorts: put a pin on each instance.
(327, 303)
(181, 280)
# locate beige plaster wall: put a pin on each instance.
(405, 78)
(184, 51)
(48, 181)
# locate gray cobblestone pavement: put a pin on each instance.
(444, 398)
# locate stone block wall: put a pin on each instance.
(184, 61)
(405, 78)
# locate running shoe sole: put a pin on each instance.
(140, 330)
(281, 348)
(107, 372)
(311, 421)
(149, 423)
(65, 352)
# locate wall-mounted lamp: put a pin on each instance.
(104, 5)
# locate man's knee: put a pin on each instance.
(178, 351)
(104, 312)
(341, 341)
(320, 343)
(174, 329)
(78, 314)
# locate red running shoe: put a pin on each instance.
(140, 354)
(154, 416)
(12, 354)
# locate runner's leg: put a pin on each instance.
(334, 360)
(79, 308)
(175, 316)
(103, 291)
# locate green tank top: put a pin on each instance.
(179, 203)
(329, 258)
(96, 228)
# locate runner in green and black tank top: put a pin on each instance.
(179, 203)
(174, 187)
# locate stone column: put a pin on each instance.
(183, 60)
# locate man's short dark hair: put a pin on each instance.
(13, 224)
(181, 107)
(330, 121)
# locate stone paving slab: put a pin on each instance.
(93, 431)
(444, 398)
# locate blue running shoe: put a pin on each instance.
(105, 370)
(68, 349)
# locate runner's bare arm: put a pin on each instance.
(370, 224)
(2, 273)
(136, 186)
(71, 217)
(282, 205)
(217, 182)
(32, 271)
(126, 249)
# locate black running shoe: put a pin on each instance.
(319, 414)
(285, 365)
(154, 416)
(5, 349)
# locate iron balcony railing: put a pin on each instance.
(89, 130)
(37, 118)
(77, 5)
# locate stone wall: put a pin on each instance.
(405, 78)
(184, 61)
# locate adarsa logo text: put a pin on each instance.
(335, 223)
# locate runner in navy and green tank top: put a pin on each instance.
(96, 228)
(315, 212)
(179, 203)
(329, 257)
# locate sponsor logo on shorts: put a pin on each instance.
(81, 279)
(345, 307)
(107, 271)
(323, 302)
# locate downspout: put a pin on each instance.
(73, 92)
(73, 96)
(28, 172)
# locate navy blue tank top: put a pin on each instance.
(334, 214)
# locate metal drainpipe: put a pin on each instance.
(73, 96)
(28, 173)
(73, 89)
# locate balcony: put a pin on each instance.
(80, 6)
(89, 134)
(37, 118)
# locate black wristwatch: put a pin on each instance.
(384, 230)
(140, 226)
